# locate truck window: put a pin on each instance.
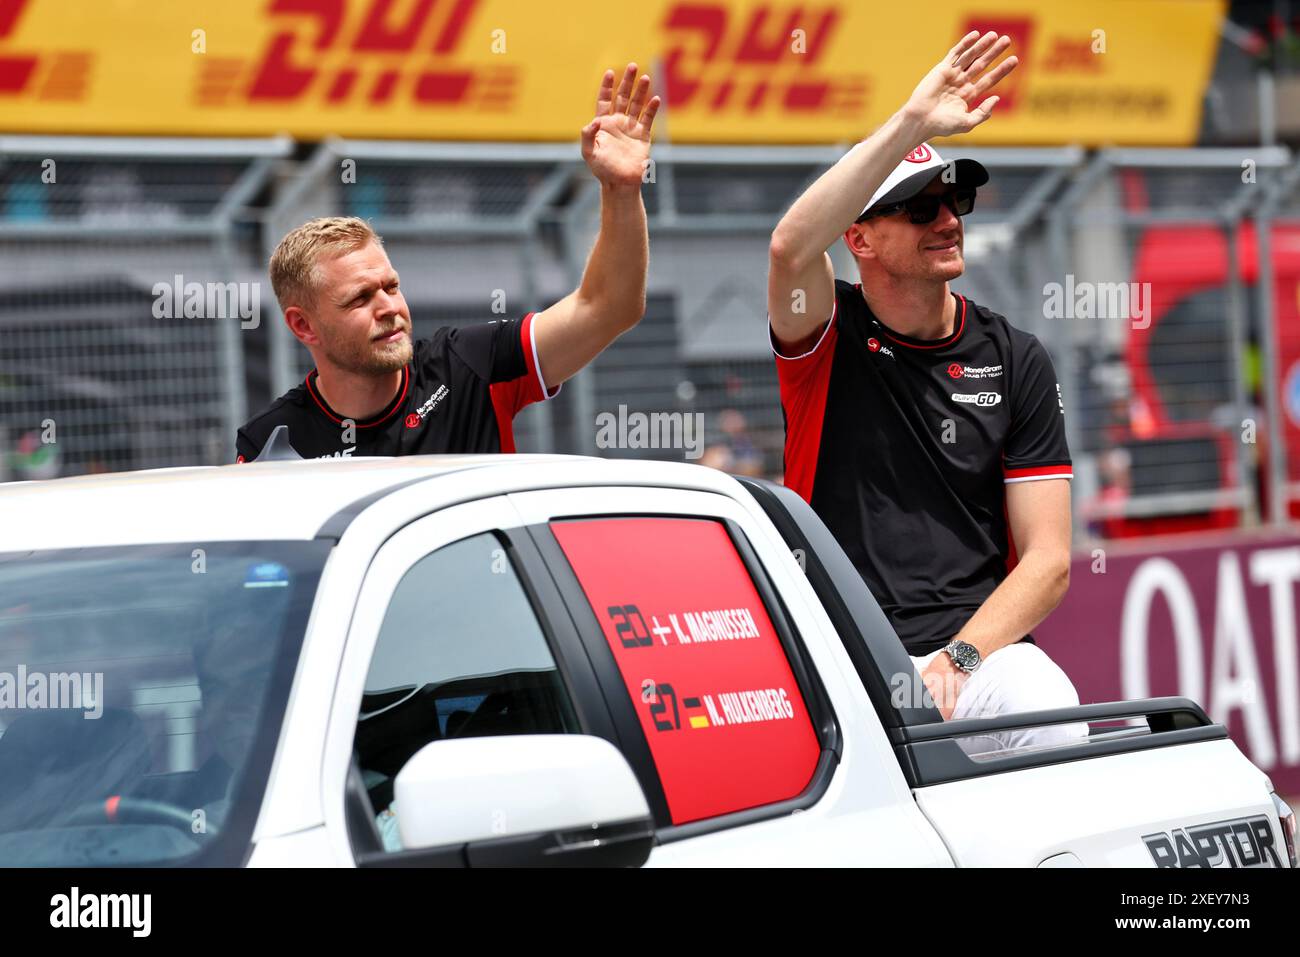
(700, 658)
(460, 654)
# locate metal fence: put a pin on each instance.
(91, 379)
(1164, 339)
(1169, 309)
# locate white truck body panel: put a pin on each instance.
(1097, 809)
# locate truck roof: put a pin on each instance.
(274, 500)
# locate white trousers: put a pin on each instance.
(1018, 677)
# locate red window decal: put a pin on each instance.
(701, 660)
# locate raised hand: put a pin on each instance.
(616, 144)
(942, 101)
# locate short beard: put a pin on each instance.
(370, 360)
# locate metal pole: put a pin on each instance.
(279, 344)
(583, 384)
(1059, 247)
(235, 406)
(1236, 351)
(1278, 496)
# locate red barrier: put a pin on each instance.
(1212, 618)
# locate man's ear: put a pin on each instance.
(858, 240)
(300, 325)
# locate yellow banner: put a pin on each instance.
(734, 71)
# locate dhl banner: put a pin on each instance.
(1092, 72)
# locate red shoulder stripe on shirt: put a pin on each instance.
(503, 404)
(1039, 471)
(803, 400)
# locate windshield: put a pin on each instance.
(141, 693)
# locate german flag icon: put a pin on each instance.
(695, 713)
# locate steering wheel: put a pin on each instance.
(132, 810)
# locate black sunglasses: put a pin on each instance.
(924, 207)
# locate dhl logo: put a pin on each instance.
(383, 55)
(57, 75)
(1066, 54)
(770, 58)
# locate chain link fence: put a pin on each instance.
(1172, 314)
(462, 224)
(102, 365)
(1153, 306)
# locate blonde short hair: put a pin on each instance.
(295, 264)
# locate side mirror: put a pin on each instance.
(550, 800)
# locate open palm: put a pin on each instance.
(616, 144)
(943, 99)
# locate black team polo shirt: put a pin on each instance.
(459, 394)
(904, 448)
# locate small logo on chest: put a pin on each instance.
(977, 398)
(419, 415)
(958, 371)
(875, 345)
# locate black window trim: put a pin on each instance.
(635, 745)
(580, 683)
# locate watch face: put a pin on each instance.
(967, 656)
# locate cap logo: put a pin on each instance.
(921, 154)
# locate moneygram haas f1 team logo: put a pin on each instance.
(57, 75)
(322, 51)
(725, 58)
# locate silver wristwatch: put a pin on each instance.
(964, 655)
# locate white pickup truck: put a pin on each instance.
(520, 660)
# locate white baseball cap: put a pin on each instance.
(917, 170)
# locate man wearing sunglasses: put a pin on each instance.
(924, 429)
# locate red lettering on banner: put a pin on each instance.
(278, 78)
(709, 23)
(442, 87)
(732, 56)
(67, 71)
(9, 11)
(375, 33)
(341, 86)
(1021, 32)
(15, 71)
(287, 70)
(1071, 55)
(454, 28)
(754, 48)
(806, 96)
(383, 87)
